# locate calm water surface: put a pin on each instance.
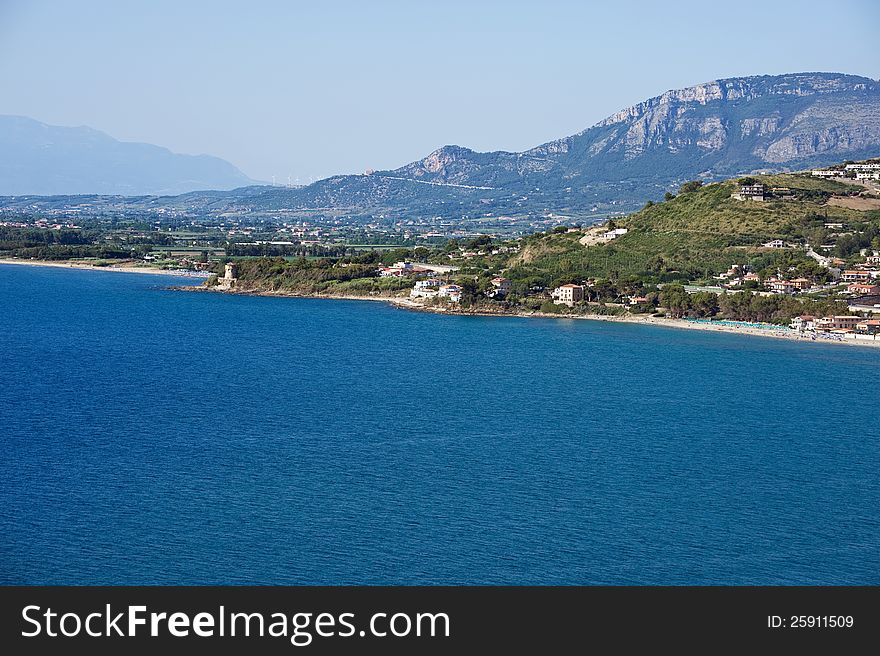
(152, 436)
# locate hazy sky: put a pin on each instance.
(309, 89)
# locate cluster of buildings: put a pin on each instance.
(863, 279)
(864, 171)
(403, 269)
(863, 285)
(858, 275)
(40, 223)
(408, 269)
(868, 171)
(434, 287)
(737, 276)
(428, 283)
(789, 287)
(839, 325)
(760, 193)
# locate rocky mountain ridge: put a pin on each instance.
(711, 131)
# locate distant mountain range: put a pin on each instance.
(41, 159)
(709, 131)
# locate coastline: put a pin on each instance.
(65, 264)
(406, 303)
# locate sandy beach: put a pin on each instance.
(776, 332)
(126, 268)
(406, 303)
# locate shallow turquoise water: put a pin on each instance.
(152, 436)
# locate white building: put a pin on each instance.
(500, 287)
(837, 322)
(452, 292)
(614, 234)
(750, 192)
(781, 286)
(855, 276)
(568, 294)
(804, 322)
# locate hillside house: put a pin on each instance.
(452, 292)
(500, 287)
(732, 272)
(568, 294)
(855, 276)
(774, 243)
(614, 234)
(780, 286)
(751, 192)
(863, 289)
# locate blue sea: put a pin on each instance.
(151, 436)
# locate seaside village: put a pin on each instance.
(862, 294)
(429, 283)
(859, 286)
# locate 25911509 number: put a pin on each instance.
(821, 621)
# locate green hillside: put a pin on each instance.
(701, 232)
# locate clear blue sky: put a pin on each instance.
(316, 88)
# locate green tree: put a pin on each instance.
(675, 299)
